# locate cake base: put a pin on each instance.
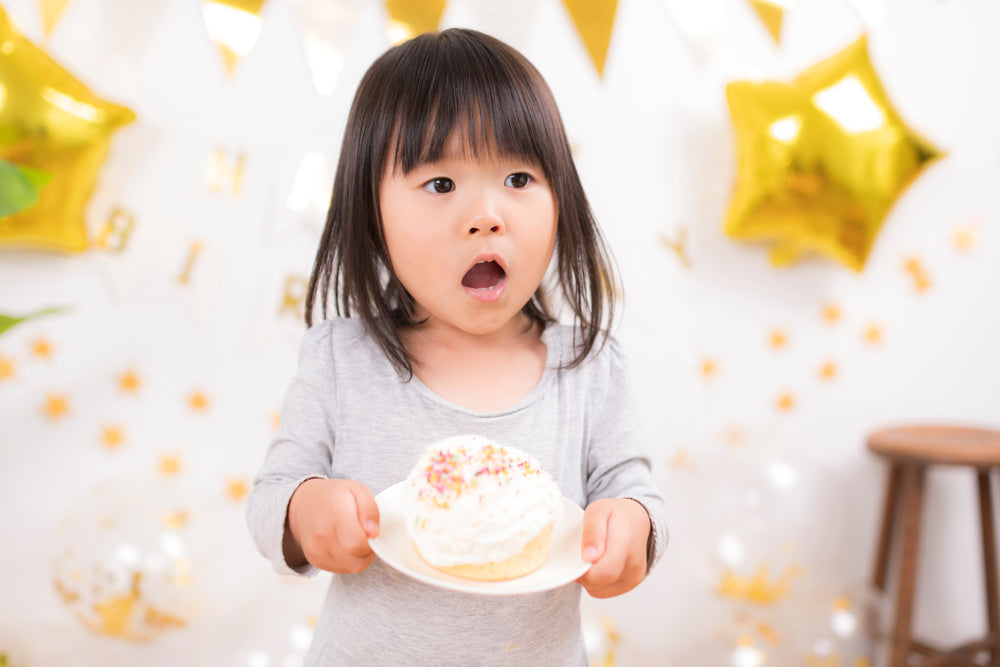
(531, 558)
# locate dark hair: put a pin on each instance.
(406, 106)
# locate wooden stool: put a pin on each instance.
(909, 451)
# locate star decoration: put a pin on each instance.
(785, 401)
(964, 238)
(169, 465)
(53, 124)
(176, 519)
(237, 489)
(680, 459)
(198, 401)
(708, 368)
(56, 406)
(6, 368)
(831, 313)
(872, 334)
(915, 268)
(734, 436)
(41, 348)
(129, 382)
(828, 370)
(112, 437)
(821, 160)
(276, 419)
(778, 339)
(678, 246)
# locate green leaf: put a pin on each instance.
(8, 321)
(19, 186)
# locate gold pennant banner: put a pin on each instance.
(409, 18)
(772, 15)
(51, 11)
(234, 25)
(594, 20)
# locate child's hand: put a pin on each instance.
(615, 531)
(329, 522)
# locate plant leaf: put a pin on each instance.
(8, 321)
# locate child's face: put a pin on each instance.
(469, 238)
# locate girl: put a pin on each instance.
(454, 193)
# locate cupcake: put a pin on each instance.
(478, 510)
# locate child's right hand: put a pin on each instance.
(329, 523)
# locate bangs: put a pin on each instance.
(488, 96)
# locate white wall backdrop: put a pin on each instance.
(154, 397)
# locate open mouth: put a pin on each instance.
(484, 275)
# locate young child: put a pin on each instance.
(454, 194)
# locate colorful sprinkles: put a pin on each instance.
(452, 471)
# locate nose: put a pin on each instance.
(484, 218)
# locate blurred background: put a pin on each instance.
(801, 197)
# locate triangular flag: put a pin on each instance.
(52, 11)
(699, 24)
(594, 20)
(409, 18)
(771, 14)
(326, 29)
(234, 26)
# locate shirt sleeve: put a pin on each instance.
(618, 464)
(300, 450)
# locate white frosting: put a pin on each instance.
(472, 501)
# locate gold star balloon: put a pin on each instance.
(820, 160)
(51, 124)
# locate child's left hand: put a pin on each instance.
(615, 531)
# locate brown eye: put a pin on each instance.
(440, 185)
(517, 180)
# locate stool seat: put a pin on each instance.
(910, 451)
(948, 445)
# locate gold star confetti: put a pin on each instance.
(56, 406)
(918, 272)
(964, 237)
(678, 246)
(679, 459)
(237, 489)
(276, 419)
(873, 334)
(112, 437)
(6, 368)
(734, 436)
(198, 401)
(708, 368)
(41, 348)
(778, 339)
(169, 465)
(768, 633)
(828, 370)
(785, 401)
(175, 520)
(129, 382)
(831, 313)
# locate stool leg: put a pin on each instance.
(912, 493)
(888, 523)
(990, 563)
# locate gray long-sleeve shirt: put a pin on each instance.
(348, 414)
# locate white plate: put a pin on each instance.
(564, 564)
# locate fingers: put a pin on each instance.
(595, 530)
(619, 541)
(334, 519)
(368, 514)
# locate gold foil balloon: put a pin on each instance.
(821, 160)
(125, 566)
(54, 126)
